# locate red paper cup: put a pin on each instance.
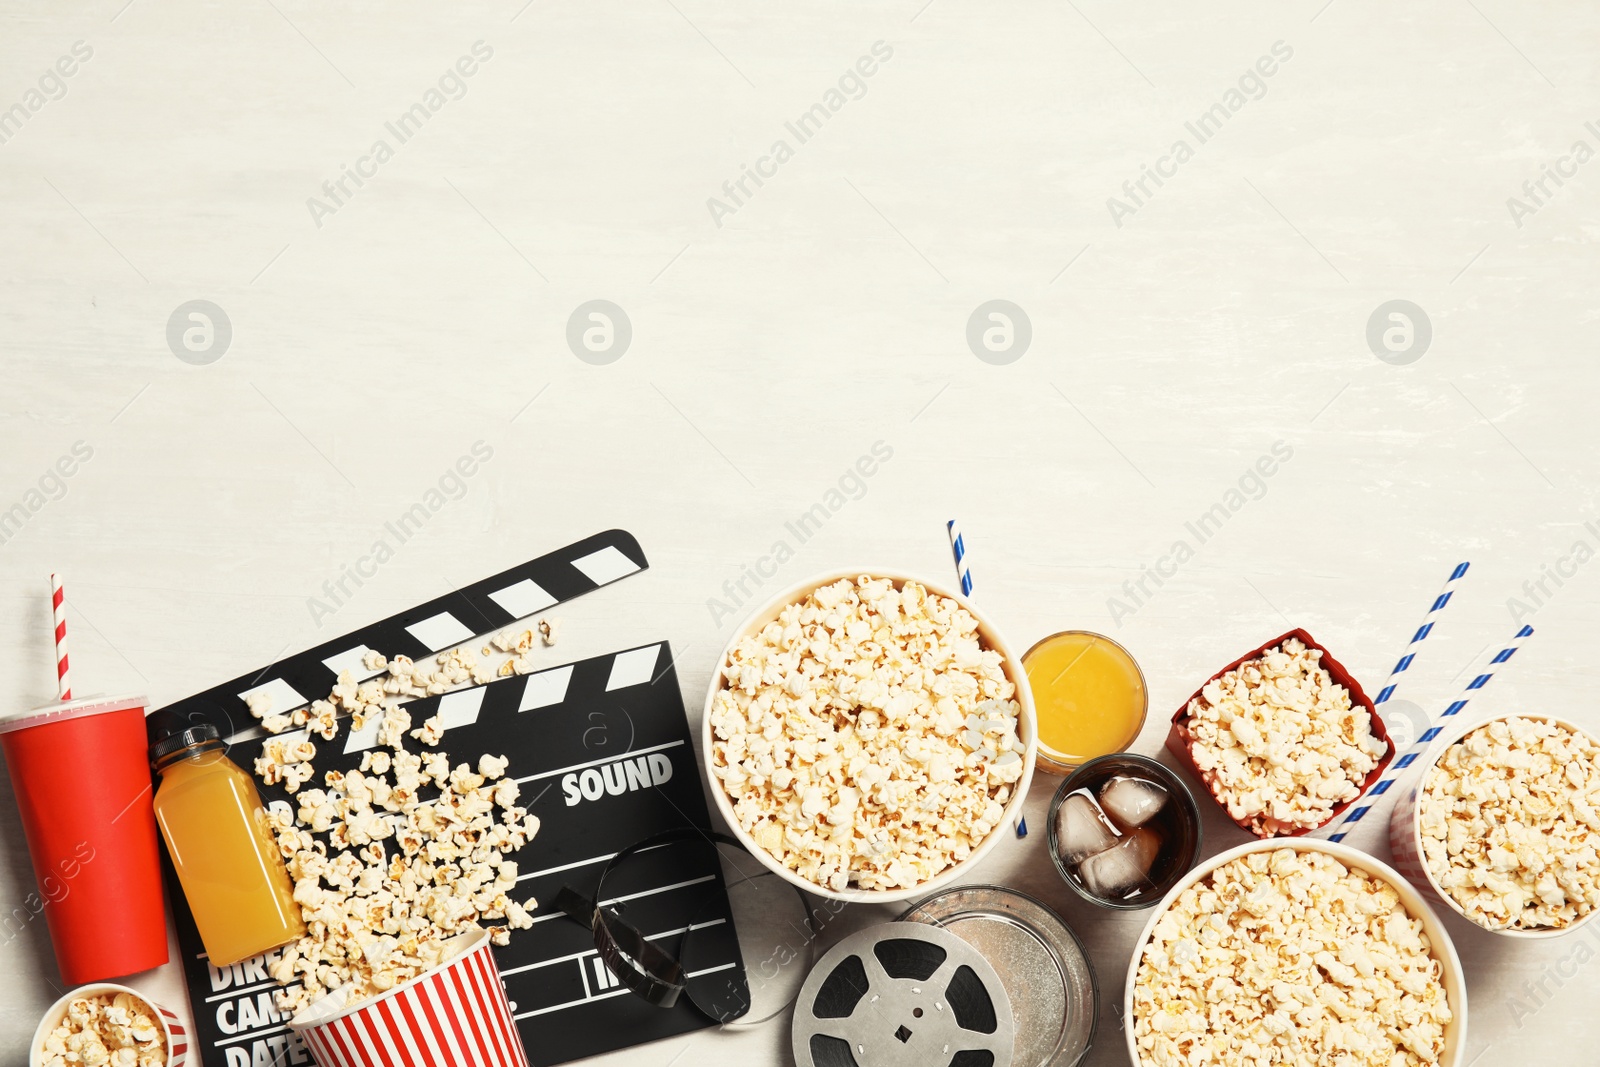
(177, 1038)
(452, 1015)
(1180, 740)
(82, 779)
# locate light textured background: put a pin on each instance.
(828, 313)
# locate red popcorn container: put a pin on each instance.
(1180, 740)
(452, 1015)
(82, 780)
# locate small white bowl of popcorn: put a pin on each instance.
(1502, 824)
(869, 736)
(110, 1025)
(1298, 950)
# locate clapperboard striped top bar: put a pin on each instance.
(540, 689)
(477, 609)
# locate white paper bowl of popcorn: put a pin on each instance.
(84, 1009)
(1482, 909)
(1169, 962)
(820, 816)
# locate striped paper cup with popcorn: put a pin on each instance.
(1180, 739)
(452, 1015)
(174, 1037)
(1405, 832)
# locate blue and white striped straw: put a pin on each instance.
(964, 575)
(1422, 633)
(959, 546)
(1355, 812)
(1419, 747)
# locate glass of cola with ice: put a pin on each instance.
(1122, 830)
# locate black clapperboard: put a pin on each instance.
(603, 755)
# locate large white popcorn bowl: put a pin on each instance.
(1405, 831)
(1455, 983)
(1026, 731)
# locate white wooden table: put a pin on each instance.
(380, 330)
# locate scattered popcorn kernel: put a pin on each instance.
(383, 877)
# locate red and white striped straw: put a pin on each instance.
(58, 601)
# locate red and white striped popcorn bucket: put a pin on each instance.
(1405, 831)
(172, 1030)
(453, 1015)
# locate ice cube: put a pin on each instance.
(1124, 869)
(1082, 829)
(1132, 802)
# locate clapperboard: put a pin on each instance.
(602, 752)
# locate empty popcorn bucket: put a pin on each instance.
(1405, 832)
(1180, 740)
(454, 1014)
(175, 1037)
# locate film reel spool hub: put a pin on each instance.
(902, 995)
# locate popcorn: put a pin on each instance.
(1510, 830)
(843, 736)
(1279, 742)
(1289, 957)
(431, 732)
(392, 873)
(108, 1030)
(511, 641)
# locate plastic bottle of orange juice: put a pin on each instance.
(221, 845)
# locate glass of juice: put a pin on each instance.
(1089, 695)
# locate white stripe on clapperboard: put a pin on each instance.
(604, 759)
(541, 690)
(632, 896)
(584, 863)
(270, 983)
(603, 979)
(591, 952)
(252, 1035)
(438, 632)
(614, 993)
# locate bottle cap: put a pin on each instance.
(170, 734)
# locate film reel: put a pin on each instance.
(902, 995)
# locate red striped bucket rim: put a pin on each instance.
(453, 1014)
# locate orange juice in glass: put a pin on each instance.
(1089, 695)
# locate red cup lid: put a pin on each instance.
(67, 709)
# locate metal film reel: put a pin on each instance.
(902, 995)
